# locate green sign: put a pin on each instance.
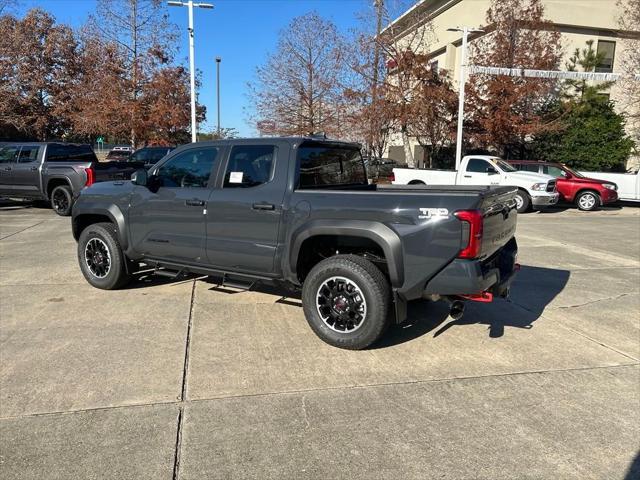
(100, 140)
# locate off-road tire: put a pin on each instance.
(374, 287)
(588, 201)
(62, 200)
(524, 201)
(117, 275)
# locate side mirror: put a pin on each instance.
(492, 171)
(140, 177)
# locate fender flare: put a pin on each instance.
(381, 234)
(54, 177)
(113, 212)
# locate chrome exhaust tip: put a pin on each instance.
(457, 309)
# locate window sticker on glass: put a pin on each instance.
(235, 177)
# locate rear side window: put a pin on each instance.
(553, 171)
(57, 152)
(249, 166)
(530, 167)
(8, 154)
(323, 165)
(28, 154)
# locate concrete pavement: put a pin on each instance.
(189, 380)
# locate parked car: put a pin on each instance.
(123, 148)
(628, 183)
(118, 154)
(56, 172)
(381, 169)
(300, 212)
(149, 156)
(535, 190)
(586, 193)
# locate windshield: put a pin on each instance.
(505, 166)
(572, 171)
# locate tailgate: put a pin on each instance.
(500, 218)
(110, 171)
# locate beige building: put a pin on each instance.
(576, 20)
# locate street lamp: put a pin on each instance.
(218, 60)
(192, 67)
(463, 73)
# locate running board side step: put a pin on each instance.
(167, 273)
(236, 283)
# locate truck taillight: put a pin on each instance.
(91, 176)
(474, 243)
(392, 177)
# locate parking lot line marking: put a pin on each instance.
(599, 342)
(311, 390)
(589, 252)
(20, 231)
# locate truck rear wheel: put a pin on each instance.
(100, 256)
(62, 200)
(346, 301)
(523, 201)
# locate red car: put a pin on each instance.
(573, 187)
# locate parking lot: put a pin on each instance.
(185, 379)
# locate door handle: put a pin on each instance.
(264, 206)
(195, 203)
(33, 169)
(7, 168)
(467, 176)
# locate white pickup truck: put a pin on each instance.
(535, 190)
(628, 183)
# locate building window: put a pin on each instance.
(434, 67)
(606, 50)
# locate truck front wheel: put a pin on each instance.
(346, 301)
(523, 201)
(101, 258)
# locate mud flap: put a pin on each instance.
(400, 305)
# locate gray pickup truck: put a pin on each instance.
(299, 212)
(55, 172)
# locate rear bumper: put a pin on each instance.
(468, 277)
(544, 199)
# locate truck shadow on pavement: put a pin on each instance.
(8, 205)
(533, 289)
(531, 292)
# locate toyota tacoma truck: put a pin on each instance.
(299, 212)
(54, 172)
(535, 191)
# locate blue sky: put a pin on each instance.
(242, 32)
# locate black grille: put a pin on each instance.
(551, 186)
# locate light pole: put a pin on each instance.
(192, 67)
(218, 60)
(463, 74)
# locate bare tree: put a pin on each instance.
(433, 110)
(7, 6)
(506, 111)
(629, 22)
(369, 116)
(140, 32)
(38, 64)
(297, 90)
(403, 47)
